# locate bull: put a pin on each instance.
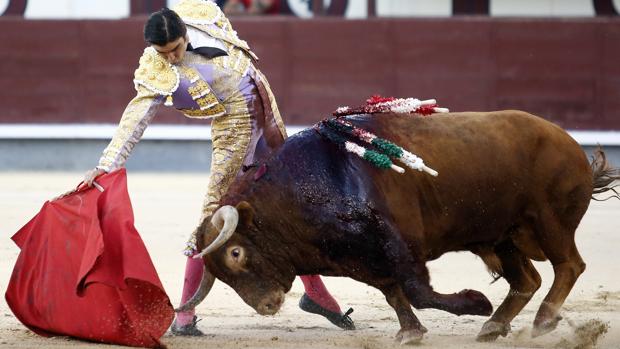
(512, 188)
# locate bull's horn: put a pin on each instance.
(203, 290)
(225, 219)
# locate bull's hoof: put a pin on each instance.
(545, 326)
(411, 336)
(477, 303)
(491, 330)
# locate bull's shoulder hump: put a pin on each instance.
(518, 121)
(303, 140)
(495, 113)
(516, 117)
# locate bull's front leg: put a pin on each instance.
(411, 330)
(410, 271)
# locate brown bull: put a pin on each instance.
(512, 188)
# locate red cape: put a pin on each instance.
(83, 271)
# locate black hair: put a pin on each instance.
(163, 26)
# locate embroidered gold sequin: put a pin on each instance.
(237, 60)
(229, 151)
(199, 89)
(190, 73)
(207, 101)
(241, 62)
(231, 136)
(134, 121)
(203, 11)
(213, 112)
(156, 74)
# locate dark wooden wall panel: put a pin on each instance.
(110, 51)
(273, 52)
(450, 61)
(609, 77)
(335, 63)
(550, 68)
(566, 70)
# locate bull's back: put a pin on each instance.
(492, 166)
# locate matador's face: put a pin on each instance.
(174, 51)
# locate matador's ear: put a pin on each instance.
(246, 212)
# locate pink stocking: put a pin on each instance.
(193, 274)
(315, 289)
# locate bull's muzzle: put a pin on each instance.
(271, 304)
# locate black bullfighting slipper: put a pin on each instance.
(186, 330)
(341, 320)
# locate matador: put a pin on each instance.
(216, 80)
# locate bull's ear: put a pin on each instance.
(246, 212)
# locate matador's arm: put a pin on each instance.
(134, 121)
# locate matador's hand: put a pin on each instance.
(90, 176)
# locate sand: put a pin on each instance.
(166, 210)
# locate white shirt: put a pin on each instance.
(199, 38)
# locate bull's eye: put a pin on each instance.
(235, 253)
(235, 258)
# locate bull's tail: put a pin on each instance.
(603, 176)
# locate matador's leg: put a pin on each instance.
(318, 300)
(230, 135)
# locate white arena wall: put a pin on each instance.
(163, 148)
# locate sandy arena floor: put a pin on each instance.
(166, 209)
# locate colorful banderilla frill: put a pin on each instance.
(335, 129)
(379, 104)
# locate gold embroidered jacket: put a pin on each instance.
(199, 87)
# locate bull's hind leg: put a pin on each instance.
(411, 330)
(567, 266)
(524, 280)
(556, 234)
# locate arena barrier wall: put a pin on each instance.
(566, 70)
(164, 147)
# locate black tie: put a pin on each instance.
(207, 52)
